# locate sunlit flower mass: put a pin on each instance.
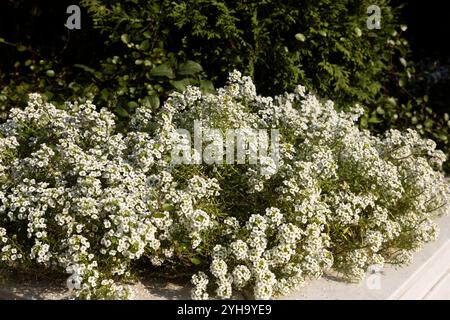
(80, 197)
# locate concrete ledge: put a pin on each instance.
(428, 277)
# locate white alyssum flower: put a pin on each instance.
(79, 197)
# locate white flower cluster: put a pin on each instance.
(340, 197)
(76, 195)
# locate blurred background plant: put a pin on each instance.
(120, 58)
(135, 52)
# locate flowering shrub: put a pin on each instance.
(77, 196)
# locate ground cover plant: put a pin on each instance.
(78, 196)
(144, 50)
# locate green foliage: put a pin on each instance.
(324, 45)
(45, 76)
(138, 68)
(144, 68)
(154, 47)
(313, 43)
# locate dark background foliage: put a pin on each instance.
(428, 33)
(134, 52)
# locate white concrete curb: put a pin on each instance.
(428, 280)
(428, 277)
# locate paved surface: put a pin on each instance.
(428, 277)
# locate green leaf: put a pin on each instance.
(50, 73)
(374, 120)
(125, 38)
(162, 70)
(21, 48)
(380, 110)
(183, 247)
(2, 40)
(196, 261)
(428, 123)
(85, 68)
(154, 101)
(104, 94)
(151, 101)
(48, 95)
(363, 122)
(158, 215)
(145, 45)
(133, 105)
(207, 86)
(403, 61)
(168, 207)
(181, 85)
(189, 68)
(121, 112)
(300, 37)
(392, 101)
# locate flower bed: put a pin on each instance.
(78, 196)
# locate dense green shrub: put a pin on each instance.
(150, 48)
(138, 69)
(324, 45)
(147, 64)
(154, 47)
(76, 196)
(38, 54)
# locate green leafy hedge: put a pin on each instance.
(151, 48)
